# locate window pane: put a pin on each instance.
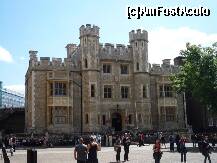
(92, 90)
(124, 69)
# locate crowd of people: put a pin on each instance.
(86, 147)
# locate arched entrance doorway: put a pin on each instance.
(117, 121)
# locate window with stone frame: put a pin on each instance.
(124, 92)
(170, 114)
(92, 90)
(140, 118)
(85, 63)
(162, 113)
(103, 119)
(59, 115)
(144, 91)
(59, 89)
(166, 90)
(51, 89)
(130, 119)
(124, 69)
(98, 118)
(137, 66)
(146, 119)
(107, 68)
(107, 91)
(86, 119)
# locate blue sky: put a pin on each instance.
(48, 25)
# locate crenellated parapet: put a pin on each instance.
(138, 35)
(164, 69)
(113, 52)
(45, 63)
(89, 30)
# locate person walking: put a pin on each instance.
(183, 149)
(157, 154)
(163, 141)
(80, 152)
(126, 144)
(177, 140)
(206, 149)
(93, 147)
(117, 148)
(171, 140)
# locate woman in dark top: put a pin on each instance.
(93, 147)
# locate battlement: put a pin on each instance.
(138, 35)
(89, 30)
(71, 48)
(47, 63)
(165, 68)
(33, 54)
(114, 49)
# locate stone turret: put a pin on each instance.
(32, 57)
(70, 49)
(89, 31)
(89, 45)
(138, 35)
(139, 42)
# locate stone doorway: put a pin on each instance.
(117, 121)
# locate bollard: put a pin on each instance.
(5, 156)
(34, 156)
(31, 156)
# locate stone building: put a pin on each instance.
(120, 89)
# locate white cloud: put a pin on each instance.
(5, 55)
(166, 43)
(17, 88)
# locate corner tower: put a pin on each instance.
(89, 44)
(139, 42)
(89, 49)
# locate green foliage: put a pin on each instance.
(198, 74)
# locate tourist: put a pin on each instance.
(93, 147)
(117, 148)
(183, 149)
(126, 144)
(80, 152)
(11, 146)
(157, 151)
(171, 140)
(14, 143)
(177, 139)
(163, 141)
(141, 139)
(194, 139)
(206, 149)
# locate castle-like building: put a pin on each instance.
(109, 87)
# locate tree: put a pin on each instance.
(198, 74)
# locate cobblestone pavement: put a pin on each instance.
(107, 155)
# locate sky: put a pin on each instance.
(49, 25)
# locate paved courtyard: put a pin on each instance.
(107, 155)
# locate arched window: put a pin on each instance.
(85, 63)
(136, 44)
(86, 119)
(130, 118)
(137, 66)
